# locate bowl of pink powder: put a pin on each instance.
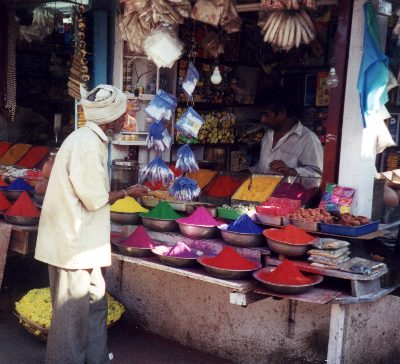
(180, 255)
(199, 225)
(138, 244)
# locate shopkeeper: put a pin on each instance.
(288, 147)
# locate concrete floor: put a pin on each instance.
(128, 344)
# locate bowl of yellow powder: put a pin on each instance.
(126, 211)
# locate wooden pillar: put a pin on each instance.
(3, 53)
(337, 95)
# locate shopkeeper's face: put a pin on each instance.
(273, 120)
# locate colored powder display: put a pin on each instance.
(286, 273)
(32, 158)
(181, 250)
(257, 188)
(23, 207)
(289, 234)
(224, 186)
(294, 191)
(18, 185)
(14, 153)
(229, 258)
(127, 205)
(200, 217)
(139, 239)
(244, 224)
(3, 184)
(4, 203)
(203, 177)
(163, 210)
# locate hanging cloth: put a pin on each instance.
(374, 72)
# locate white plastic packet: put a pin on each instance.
(163, 47)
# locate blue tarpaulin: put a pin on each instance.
(374, 72)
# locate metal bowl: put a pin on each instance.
(287, 289)
(179, 262)
(198, 231)
(269, 220)
(242, 239)
(38, 198)
(159, 224)
(227, 273)
(132, 250)
(22, 220)
(124, 218)
(285, 248)
(13, 195)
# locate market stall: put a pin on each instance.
(253, 266)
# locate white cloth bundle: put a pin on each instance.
(108, 105)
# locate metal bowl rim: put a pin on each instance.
(154, 218)
(285, 242)
(317, 277)
(236, 233)
(182, 258)
(199, 259)
(124, 213)
(195, 225)
(126, 246)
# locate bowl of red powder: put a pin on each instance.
(180, 255)
(286, 278)
(290, 241)
(229, 264)
(138, 244)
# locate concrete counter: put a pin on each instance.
(197, 313)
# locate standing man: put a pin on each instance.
(74, 232)
(288, 147)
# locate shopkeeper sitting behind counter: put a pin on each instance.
(288, 147)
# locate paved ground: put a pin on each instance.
(128, 344)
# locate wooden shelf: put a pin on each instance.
(128, 142)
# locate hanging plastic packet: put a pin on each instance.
(155, 136)
(190, 122)
(186, 161)
(190, 82)
(158, 137)
(185, 188)
(161, 106)
(163, 47)
(156, 171)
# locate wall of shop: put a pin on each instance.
(199, 315)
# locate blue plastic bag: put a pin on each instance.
(190, 122)
(191, 78)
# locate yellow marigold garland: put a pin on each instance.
(36, 307)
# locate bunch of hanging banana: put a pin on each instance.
(286, 29)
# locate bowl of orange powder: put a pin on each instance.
(286, 278)
(289, 241)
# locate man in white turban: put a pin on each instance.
(74, 232)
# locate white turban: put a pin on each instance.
(109, 104)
